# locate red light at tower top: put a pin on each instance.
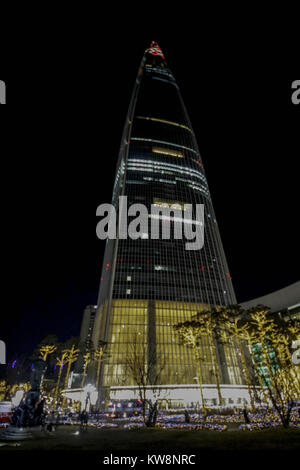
(155, 50)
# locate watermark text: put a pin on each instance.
(2, 92)
(296, 93)
(2, 352)
(164, 222)
(296, 354)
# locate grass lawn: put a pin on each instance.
(157, 440)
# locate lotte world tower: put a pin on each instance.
(149, 285)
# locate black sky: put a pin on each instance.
(62, 132)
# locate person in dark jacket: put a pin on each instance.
(247, 420)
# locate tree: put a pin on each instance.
(99, 355)
(47, 346)
(208, 323)
(46, 350)
(191, 335)
(21, 386)
(145, 367)
(282, 341)
(238, 330)
(87, 357)
(3, 389)
(60, 362)
(272, 358)
(70, 358)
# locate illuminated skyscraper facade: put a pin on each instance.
(147, 285)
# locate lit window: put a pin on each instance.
(128, 278)
(163, 121)
(164, 166)
(142, 139)
(169, 204)
(172, 153)
(159, 268)
(128, 292)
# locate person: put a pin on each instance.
(49, 427)
(39, 414)
(247, 420)
(83, 420)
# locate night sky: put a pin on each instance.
(60, 142)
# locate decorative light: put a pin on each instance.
(164, 121)
(155, 50)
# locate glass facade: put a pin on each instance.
(148, 285)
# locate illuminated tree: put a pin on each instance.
(282, 340)
(191, 335)
(254, 334)
(3, 389)
(46, 350)
(99, 354)
(60, 362)
(270, 343)
(47, 346)
(71, 357)
(238, 330)
(262, 328)
(87, 357)
(22, 386)
(207, 324)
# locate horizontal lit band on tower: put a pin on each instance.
(175, 219)
(167, 204)
(139, 163)
(171, 144)
(151, 69)
(164, 121)
(171, 153)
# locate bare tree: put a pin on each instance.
(144, 366)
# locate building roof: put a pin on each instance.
(279, 300)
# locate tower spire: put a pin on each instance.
(155, 50)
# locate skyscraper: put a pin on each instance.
(147, 285)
